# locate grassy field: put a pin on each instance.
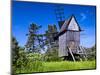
(64, 65)
(58, 66)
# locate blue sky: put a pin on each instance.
(25, 13)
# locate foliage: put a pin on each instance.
(91, 53)
(19, 59)
(34, 63)
(52, 46)
(32, 66)
(34, 56)
(33, 37)
(15, 54)
(50, 34)
(22, 60)
(52, 55)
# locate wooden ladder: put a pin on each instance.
(83, 52)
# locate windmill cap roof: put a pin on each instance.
(65, 26)
(67, 23)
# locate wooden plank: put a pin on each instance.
(62, 46)
(83, 52)
(71, 54)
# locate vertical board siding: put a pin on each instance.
(62, 46)
(73, 25)
(71, 38)
(65, 40)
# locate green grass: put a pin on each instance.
(66, 65)
(58, 66)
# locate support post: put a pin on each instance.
(71, 54)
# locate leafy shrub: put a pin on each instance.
(91, 53)
(31, 66)
(34, 64)
(52, 55)
(35, 56)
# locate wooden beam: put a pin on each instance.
(83, 52)
(71, 54)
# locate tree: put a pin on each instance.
(19, 58)
(52, 45)
(91, 53)
(15, 51)
(50, 34)
(15, 55)
(34, 39)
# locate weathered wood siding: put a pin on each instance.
(73, 36)
(73, 25)
(62, 46)
(68, 39)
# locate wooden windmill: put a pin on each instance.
(69, 40)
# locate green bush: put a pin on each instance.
(52, 55)
(35, 56)
(32, 66)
